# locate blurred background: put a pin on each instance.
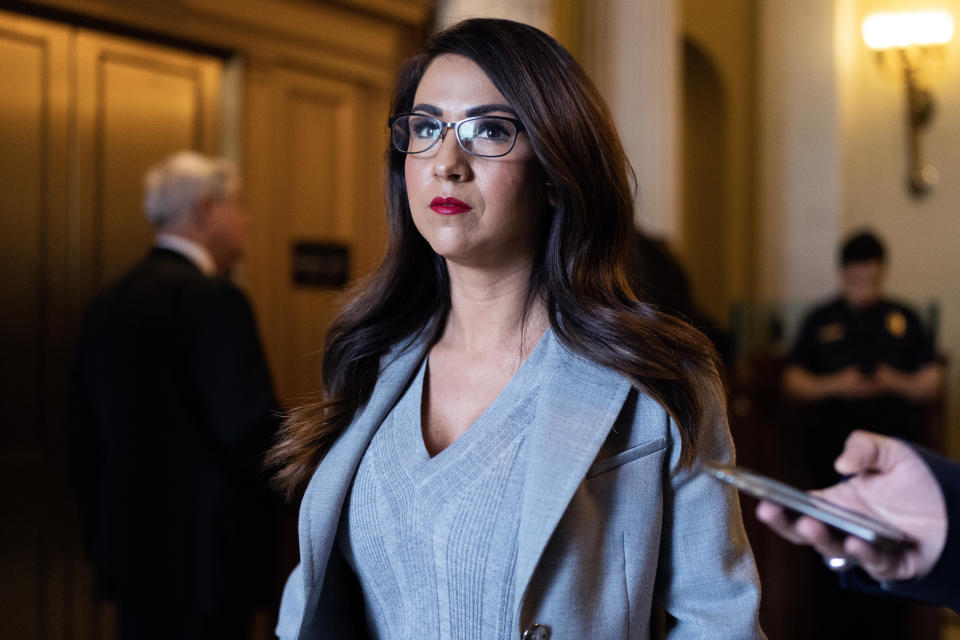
(761, 133)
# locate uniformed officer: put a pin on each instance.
(866, 360)
(860, 361)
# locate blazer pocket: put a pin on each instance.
(628, 455)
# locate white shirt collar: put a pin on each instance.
(195, 253)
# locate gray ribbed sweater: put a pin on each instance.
(433, 540)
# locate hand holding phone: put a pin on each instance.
(890, 485)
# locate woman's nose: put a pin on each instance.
(450, 161)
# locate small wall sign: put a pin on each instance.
(321, 264)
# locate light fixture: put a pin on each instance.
(913, 46)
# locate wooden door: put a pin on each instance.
(83, 114)
(33, 223)
(321, 182)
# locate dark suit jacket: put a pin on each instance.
(171, 411)
(942, 584)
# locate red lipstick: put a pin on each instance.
(449, 206)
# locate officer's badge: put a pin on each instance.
(832, 332)
(896, 324)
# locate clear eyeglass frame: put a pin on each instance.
(400, 133)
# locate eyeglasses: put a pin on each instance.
(485, 136)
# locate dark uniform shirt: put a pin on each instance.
(836, 336)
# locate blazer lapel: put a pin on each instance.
(323, 501)
(579, 403)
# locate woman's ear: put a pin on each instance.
(548, 191)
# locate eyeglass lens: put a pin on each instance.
(489, 136)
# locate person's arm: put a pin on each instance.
(83, 440)
(803, 385)
(921, 386)
(706, 578)
(941, 585)
(230, 373)
(896, 484)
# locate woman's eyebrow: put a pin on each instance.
(484, 109)
(429, 108)
(479, 110)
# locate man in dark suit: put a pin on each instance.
(172, 409)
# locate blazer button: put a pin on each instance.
(537, 632)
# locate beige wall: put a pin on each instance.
(799, 172)
(632, 53)
(728, 39)
(535, 12)
(923, 235)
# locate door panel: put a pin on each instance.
(33, 170)
(319, 125)
(309, 189)
(26, 127)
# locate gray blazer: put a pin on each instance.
(609, 519)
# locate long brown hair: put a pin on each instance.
(578, 270)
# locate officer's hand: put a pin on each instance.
(852, 383)
(889, 379)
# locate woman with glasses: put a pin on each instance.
(507, 440)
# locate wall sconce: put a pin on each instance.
(911, 45)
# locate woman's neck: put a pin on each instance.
(489, 311)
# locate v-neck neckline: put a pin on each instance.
(479, 427)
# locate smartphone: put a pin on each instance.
(880, 534)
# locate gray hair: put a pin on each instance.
(180, 182)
